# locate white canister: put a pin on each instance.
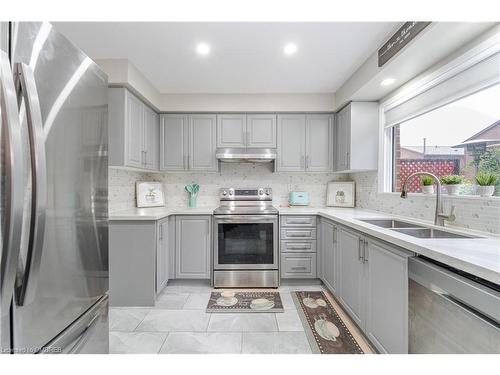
(428, 189)
(485, 191)
(453, 189)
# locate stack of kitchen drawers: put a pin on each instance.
(298, 246)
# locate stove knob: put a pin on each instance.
(267, 192)
(231, 192)
(224, 192)
(261, 191)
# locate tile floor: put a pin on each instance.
(179, 324)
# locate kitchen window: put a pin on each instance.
(459, 138)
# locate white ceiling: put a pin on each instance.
(245, 57)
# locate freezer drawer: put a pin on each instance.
(298, 266)
(298, 246)
(298, 221)
(295, 233)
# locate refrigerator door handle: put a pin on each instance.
(27, 92)
(13, 183)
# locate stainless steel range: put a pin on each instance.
(246, 239)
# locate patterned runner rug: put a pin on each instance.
(326, 330)
(247, 301)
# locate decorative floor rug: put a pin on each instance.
(326, 331)
(248, 301)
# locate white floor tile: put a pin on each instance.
(202, 343)
(289, 321)
(171, 300)
(175, 320)
(242, 322)
(197, 301)
(135, 342)
(126, 319)
(275, 343)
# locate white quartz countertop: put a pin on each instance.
(157, 213)
(478, 256)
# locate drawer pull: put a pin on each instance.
(299, 221)
(299, 268)
(299, 247)
(302, 234)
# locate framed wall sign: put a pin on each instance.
(399, 40)
(149, 194)
(341, 194)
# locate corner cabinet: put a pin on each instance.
(192, 247)
(246, 131)
(357, 137)
(133, 131)
(305, 143)
(188, 142)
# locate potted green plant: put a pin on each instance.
(486, 183)
(452, 183)
(427, 185)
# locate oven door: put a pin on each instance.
(246, 242)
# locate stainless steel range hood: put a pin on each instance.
(246, 155)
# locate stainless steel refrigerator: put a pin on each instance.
(54, 190)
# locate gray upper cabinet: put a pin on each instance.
(329, 254)
(188, 142)
(357, 137)
(133, 131)
(387, 297)
(291, 145)
(162, 256)
(261, 131)
(231, 130)
(151, 138)
(305, 143)
(352, 275)
(252, 131)
(173, 142)
(319, 143)
(202, 143)
(192, 247)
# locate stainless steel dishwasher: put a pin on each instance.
(451, 311)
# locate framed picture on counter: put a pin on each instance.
(341, 194)
(149, 194)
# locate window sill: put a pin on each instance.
(444, 196)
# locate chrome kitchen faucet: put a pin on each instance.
(439, 217)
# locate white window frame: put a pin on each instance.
(429, 79)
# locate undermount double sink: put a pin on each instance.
(414, 230)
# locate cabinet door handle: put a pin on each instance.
(347, 158)
(307, 161)
(365, 252)
(299, 268)
(360, 250)
(302, 161)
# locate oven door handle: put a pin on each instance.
(244, 218)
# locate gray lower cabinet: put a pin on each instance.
(305, 143)
(188, 142)
(298, 265)
(298, 247)
(352, 277)
(329, 255)
(387, 297)
(192, 246)
(162, 255)
(371, 283)
(133, 131)
(132, 263)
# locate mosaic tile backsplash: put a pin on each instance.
(122, 184)
(472, 213)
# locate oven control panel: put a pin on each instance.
(246, 194)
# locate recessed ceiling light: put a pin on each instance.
(290, 48)
(203, 48)
(387, 81)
